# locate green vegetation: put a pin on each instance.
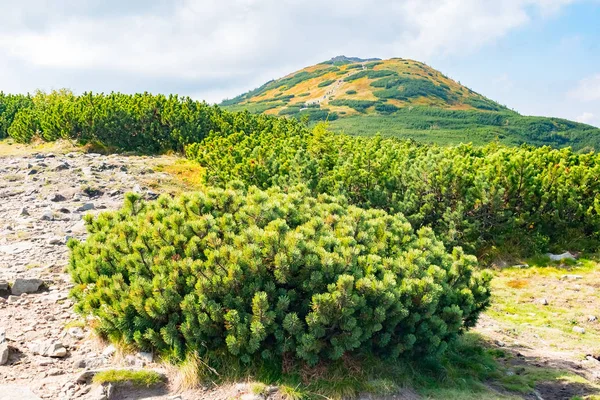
(484, 199)
(141, 378)
(350, 91)
(451, 127)
(263, 274)
(141, 122)
(371, 74)
(326, 83)
(358, 105)
(407, 88)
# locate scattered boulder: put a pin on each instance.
(48, 348)
(109, 351)
(26, 285)
(563, 256)
(24, 212)
(76, 333)
(4, 353)
(86, 207)
(543, 301)
(578, 329)
(47, 216)
(4, 289)
(57, 197)
(592, 318)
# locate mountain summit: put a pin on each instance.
(351, 85)
(406, 99)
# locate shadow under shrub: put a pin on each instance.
(267, 273)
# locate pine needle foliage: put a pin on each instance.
(271, 273)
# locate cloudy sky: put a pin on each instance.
(540, 57)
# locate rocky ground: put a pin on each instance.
(47, 352)
(44, 347)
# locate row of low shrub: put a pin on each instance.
(482, 198)
(141, 122)
(269, 273)
(358, 105)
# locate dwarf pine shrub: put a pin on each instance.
(262, 273)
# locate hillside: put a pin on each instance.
(406, 99)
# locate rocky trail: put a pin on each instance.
(45, 350)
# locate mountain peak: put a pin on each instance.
(345, 86)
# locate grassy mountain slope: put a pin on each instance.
(407, 99)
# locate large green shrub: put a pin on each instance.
(263, 273)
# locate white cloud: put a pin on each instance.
(587, 118)
(240, 41)
(588, 89)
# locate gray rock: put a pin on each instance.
(25, 285)
(109, 351)
(62, 166)
(572, 277)
(147, 357)
(563, 256)
(13, 299)
(578, 329)
(47, 216)
(592, 318)
(97, 393)
(56, 241)
(4, 289)
(57, 197)
(4, 353)
(76, 333)
(24, 212)
(86, 207)
(2, 335)
(543, 302)
(48, 348)
(251, 396)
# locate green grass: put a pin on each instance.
(469, 370)
(140, 378)
(445, 127)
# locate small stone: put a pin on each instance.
(563, 256)
(79, 363)
(57, 197)
(76, 333)
(4, 290)
(62, 166)
(13, 299)
(592, 318)
(109, 351)
(56, 241)
(251, 396)
(543, 301)
(147, 357)
(572, 277)
(86, 207)
(25, 285)
(24, 212)
(578, 329)
(47, 216)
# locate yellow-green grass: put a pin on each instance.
(518, 306)
(8, 147)
(142, 378)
